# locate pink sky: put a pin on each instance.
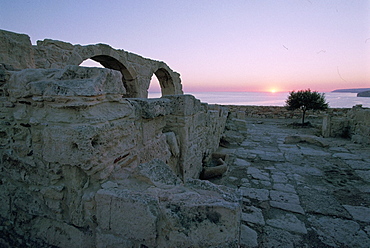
(234, 45)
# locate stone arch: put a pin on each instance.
(136, 70)
(165, 81)
(127, 79)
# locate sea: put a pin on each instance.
(335, 99)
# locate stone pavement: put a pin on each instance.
(300, 194)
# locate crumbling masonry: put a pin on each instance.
(88, 161)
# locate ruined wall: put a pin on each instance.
(355, 125)
(137, 71)
(83, 166)
(359, 125)
(351, 123)
(277, 112)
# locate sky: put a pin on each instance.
(218, 45)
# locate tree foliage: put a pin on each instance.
(306, 100)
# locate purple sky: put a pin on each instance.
(234, 45)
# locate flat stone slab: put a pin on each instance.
(308, 151)
(275, 237)
(314, 201)
(287, 206)
(359, 212)
(272, 156)
(284, 197)
(248, 236)
(288, 222)
(337, 232)
(358, 165)
(258, 174)
(253, 215)
(364, 174)
(301, 169)
(241, 163)
(258, 194)
(339, 149)
(346, 156)
(314, 140)
(284, 187)
(279, 178)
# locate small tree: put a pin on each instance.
(306, 100)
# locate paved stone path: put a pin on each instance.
(300, 194)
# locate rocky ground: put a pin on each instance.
(300, 190)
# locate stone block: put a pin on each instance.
(248, 237)
(67, 82)
(128, 214)
(184, 105)
(61, 234)
(200, 219)
(16, 50)
(151, 108)
(158, 173)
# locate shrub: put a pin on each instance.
(306, 100)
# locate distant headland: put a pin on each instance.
(356, 90)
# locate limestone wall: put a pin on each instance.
(137, 71)
(354, 125)
(81, 165)
(359, 124)
(351, 123)
(277, 112)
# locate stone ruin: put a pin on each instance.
(87, 160)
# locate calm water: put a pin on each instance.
(335, 100)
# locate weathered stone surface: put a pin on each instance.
(274, 237)
(195, 216)
(156, 172)
(345, 156)
(84, 164)
(307, 139)
(16, 50)
(259, 194)
(60, 234)
(67, 82)
(128, 214)
(258, 174)
(336, 232)
(241, 163)
(253, 215)
(357, 164)
(233, 137)
(248, 237)
(315, 201)
(364, 174)
(284, 188)
(359, 212)
(215, 171)
(291, 207)
(288, 222)
(280, 196)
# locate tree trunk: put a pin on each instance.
(304, 113)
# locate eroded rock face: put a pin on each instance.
(354, 125)
(136, 71)
(16, 50)
(84, 166)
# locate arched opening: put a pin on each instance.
(114, 64)
(154, 90)
(165, 81)
(91, 63)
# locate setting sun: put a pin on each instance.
(272, 90)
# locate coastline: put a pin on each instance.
(277, 99)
